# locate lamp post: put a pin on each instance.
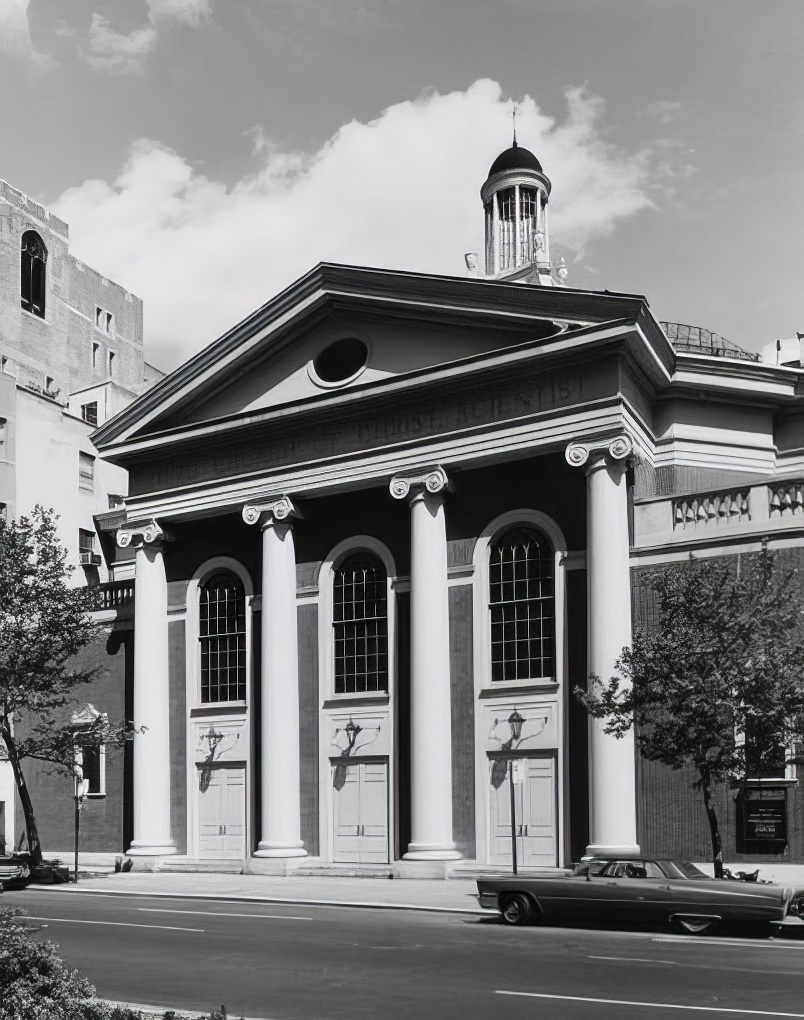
(515, 721)
(80, 795)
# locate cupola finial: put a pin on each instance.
(513, 116)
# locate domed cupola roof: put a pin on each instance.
(515, 158)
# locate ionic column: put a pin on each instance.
(612, 775)
(279, 720)
(430, 708)
(151, 693)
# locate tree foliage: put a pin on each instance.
(44, 625)
(718, 685)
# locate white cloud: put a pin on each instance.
(663, 110)
(125, 53)
(399, 192)
(15, 34)
(115, 51)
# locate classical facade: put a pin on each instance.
(385, 525)
(71, 356)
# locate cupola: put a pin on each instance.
(515, 198)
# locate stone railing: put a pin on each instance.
(115, 595)
(786, 499)
(712, 509)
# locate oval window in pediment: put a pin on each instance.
(340, 362)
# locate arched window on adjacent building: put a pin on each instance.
(222, 638)
(360, 620)
(33, 258)
(522, 605)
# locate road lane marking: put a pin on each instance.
(633, 959)
(215, 913)
(691, 940)
(115, 924)
(650, 1005)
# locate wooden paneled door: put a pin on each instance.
(222, 814)
(360, 812)
(535, 811)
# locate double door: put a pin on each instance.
(535, 815)
(222, 813)
(360, 812)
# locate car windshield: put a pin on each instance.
(688, 870)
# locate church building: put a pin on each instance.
(381, 529)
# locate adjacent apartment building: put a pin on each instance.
(71, 357)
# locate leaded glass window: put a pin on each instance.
(522, 606)
(33, 257)
(360, 620)
(222, 638)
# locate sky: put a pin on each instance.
(206, 153)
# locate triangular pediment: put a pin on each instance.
(342, 330)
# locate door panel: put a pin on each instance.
(360, 813)
(535, 809)
(222, 815)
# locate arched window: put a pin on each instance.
(222, 638)
(360, 621)
(32, 273)
(522, 606)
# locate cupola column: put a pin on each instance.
(151, 747)
(612, 770)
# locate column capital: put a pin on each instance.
(149, 533)
(431, 481)
(619, 448)
(272, 511)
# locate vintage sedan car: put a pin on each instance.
(639, 891)
(14, 871)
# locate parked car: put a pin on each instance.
(664, 892)
(16, 872)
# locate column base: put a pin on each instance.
(612, 850)
(432, 852)
(270, 848)
(145, 848)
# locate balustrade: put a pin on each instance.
(715, 508)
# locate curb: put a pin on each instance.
(160, 1011)
(279, 900)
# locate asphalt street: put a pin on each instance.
(288, 962)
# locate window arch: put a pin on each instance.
(522, 605)
(222, 637)
(33, 257)
(360, 624)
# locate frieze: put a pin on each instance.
(280, 444)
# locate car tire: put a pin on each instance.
(516, 909)
(691, 924)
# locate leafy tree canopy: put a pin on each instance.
(718, 684)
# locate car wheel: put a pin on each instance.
(517, 909)
(692, 925)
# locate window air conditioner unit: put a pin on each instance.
(89, 559)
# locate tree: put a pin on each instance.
(718, 685)
(44, 624)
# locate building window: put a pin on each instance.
(32, 273)
(3, 424)
(522, 606)
(111, 358)
(222, 637)
(104, 321)
(86, 471)
(95, 354)
(360, 621)
(89, 412)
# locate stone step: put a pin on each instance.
(196, 866)
(344, 871)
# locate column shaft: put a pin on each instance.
(151, 706)
(612, 810)
(430, 702)
(279, 776)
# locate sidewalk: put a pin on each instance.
(452, 896)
